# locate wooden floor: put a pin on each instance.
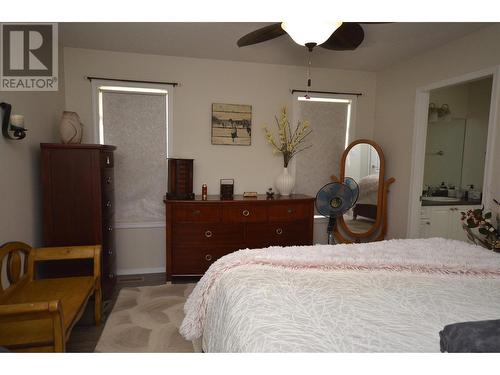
(85, 334)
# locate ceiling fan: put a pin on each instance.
(337, 36)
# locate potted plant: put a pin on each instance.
(289, 143)
(480, 229)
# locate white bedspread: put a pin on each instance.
(360, 301)
(368, 189)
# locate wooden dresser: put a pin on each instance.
(199, 232)
(78, 206)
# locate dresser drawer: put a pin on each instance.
(108, 245)
(208, 234)
(108, 241)
(278, 234)
(108, 204)
(244, 213)
(108, 273)
(107, 229)
(107, 159)
(196, 213)
(109, 258)
(107, 179)
(200, 232)
(290, 211)
(189, 261)
(108, 279)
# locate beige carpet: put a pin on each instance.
(147, 320)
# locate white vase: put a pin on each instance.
(285, 182)
(70, 128)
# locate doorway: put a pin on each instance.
(426, 112)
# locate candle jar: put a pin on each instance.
(226, 188)
(204, 192)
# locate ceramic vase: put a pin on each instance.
(70, 128)
(285, 182)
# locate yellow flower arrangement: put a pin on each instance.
(289, 143)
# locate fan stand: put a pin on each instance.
(381, 229)
(329, 229)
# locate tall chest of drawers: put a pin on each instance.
(78, 206)
(201, 231)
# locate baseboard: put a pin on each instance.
(139, 271)
(155, 224)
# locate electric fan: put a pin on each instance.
(349, 181)
(334, 200)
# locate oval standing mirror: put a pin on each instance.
(363, 161)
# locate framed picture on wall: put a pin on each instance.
(231, 124)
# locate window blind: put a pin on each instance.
(315, 165)
(136, 124)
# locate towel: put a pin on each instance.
(471, 337)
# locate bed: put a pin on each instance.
(389, 296)
(366, 205)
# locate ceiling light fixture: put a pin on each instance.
(310, 34)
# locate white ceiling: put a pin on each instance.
(384, 44)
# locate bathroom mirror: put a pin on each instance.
(444, 153)
(363, 160)
(456, 138)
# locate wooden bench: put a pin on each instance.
(37, 315)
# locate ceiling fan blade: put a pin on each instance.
(261, 35)
(346, 38)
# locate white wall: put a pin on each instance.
(20, 188)
(264, 86)
(396, 93)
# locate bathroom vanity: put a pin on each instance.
(440, 217)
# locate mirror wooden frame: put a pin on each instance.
(378, 230)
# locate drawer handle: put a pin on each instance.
(196, 212)
(290, 210)
(246, 213)
(110, 228)
(108, 180)
(428, 222)
(108, 204)
(279, 231)
(108, 160)
(208, 233)
(208, 257)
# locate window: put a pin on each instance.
(136, 120)
(332, 122)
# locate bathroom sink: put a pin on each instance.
(440, 199)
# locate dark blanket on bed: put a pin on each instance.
(471, 337)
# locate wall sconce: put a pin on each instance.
(12, 126)
(436, 113)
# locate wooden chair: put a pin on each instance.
(37, 315)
